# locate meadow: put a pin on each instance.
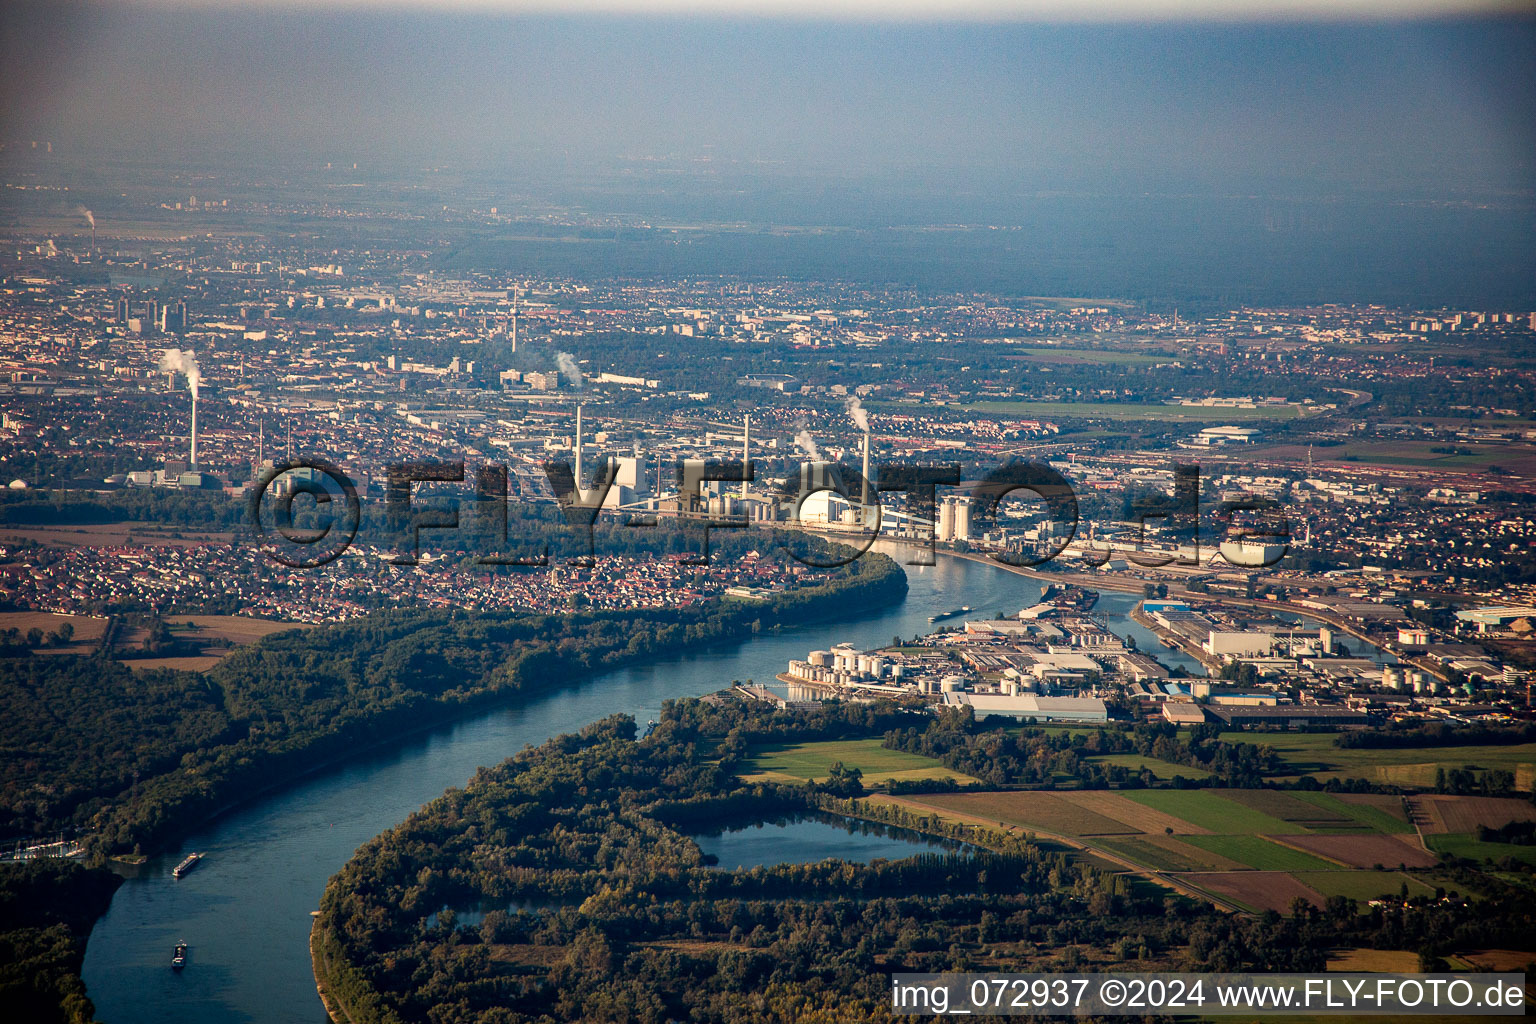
(1314, 754)
(814, 761)
(1212, 812)
(1253, 848)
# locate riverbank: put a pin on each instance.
(1141, 618)
(1180, 592)
(269, 859)
(426, 672)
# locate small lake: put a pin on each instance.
(812, 839)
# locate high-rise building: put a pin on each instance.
(173, 318)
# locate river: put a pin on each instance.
(245, 910)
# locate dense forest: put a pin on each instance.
(583, 896)
(131, 759)
(1001, 755)
(47, 908)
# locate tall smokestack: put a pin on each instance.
(194, 430)
(578, 445)
(865, 501)
(746, 449)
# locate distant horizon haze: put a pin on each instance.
(1265, 158)
(1420, 107)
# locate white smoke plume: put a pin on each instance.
(175, 360)
(856, 410)
(90, 218)
(807, 444)
(568, 368)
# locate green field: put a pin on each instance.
(1363, 885)
(1314, 754)
(1371, 817)
(1107, 357)
(1258, 852)
(1134, 411)
(1469, 846)
(815, 760)
(1203, 807)
(1152, 855)
(1159, 769)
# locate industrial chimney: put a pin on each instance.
(865, 497)
(746, 450)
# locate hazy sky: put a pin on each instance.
(1003, 94)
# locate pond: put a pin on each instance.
(811, 839)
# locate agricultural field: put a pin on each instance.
(1139, 815)
(1120, 411)
(1210, 811)
(1363, 885)
(1082, 356)
(1463, 456)
(801, 761)
(1314, 754)
(1442, 814)
(1256, 890)
(202, 640)
(1260, 854)
(1165, 853)
(1378, 811)
(1259, 849)
(131, 534)
(1365, 851)
(88, 629)
(1045, 812)
(1289, 807)
(1374, 961)
(1472, 848)
(230, 630)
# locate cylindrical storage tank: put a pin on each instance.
(819, 658)
(877, 667)
(1011, 688)
(949, 684)
(898, 670)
